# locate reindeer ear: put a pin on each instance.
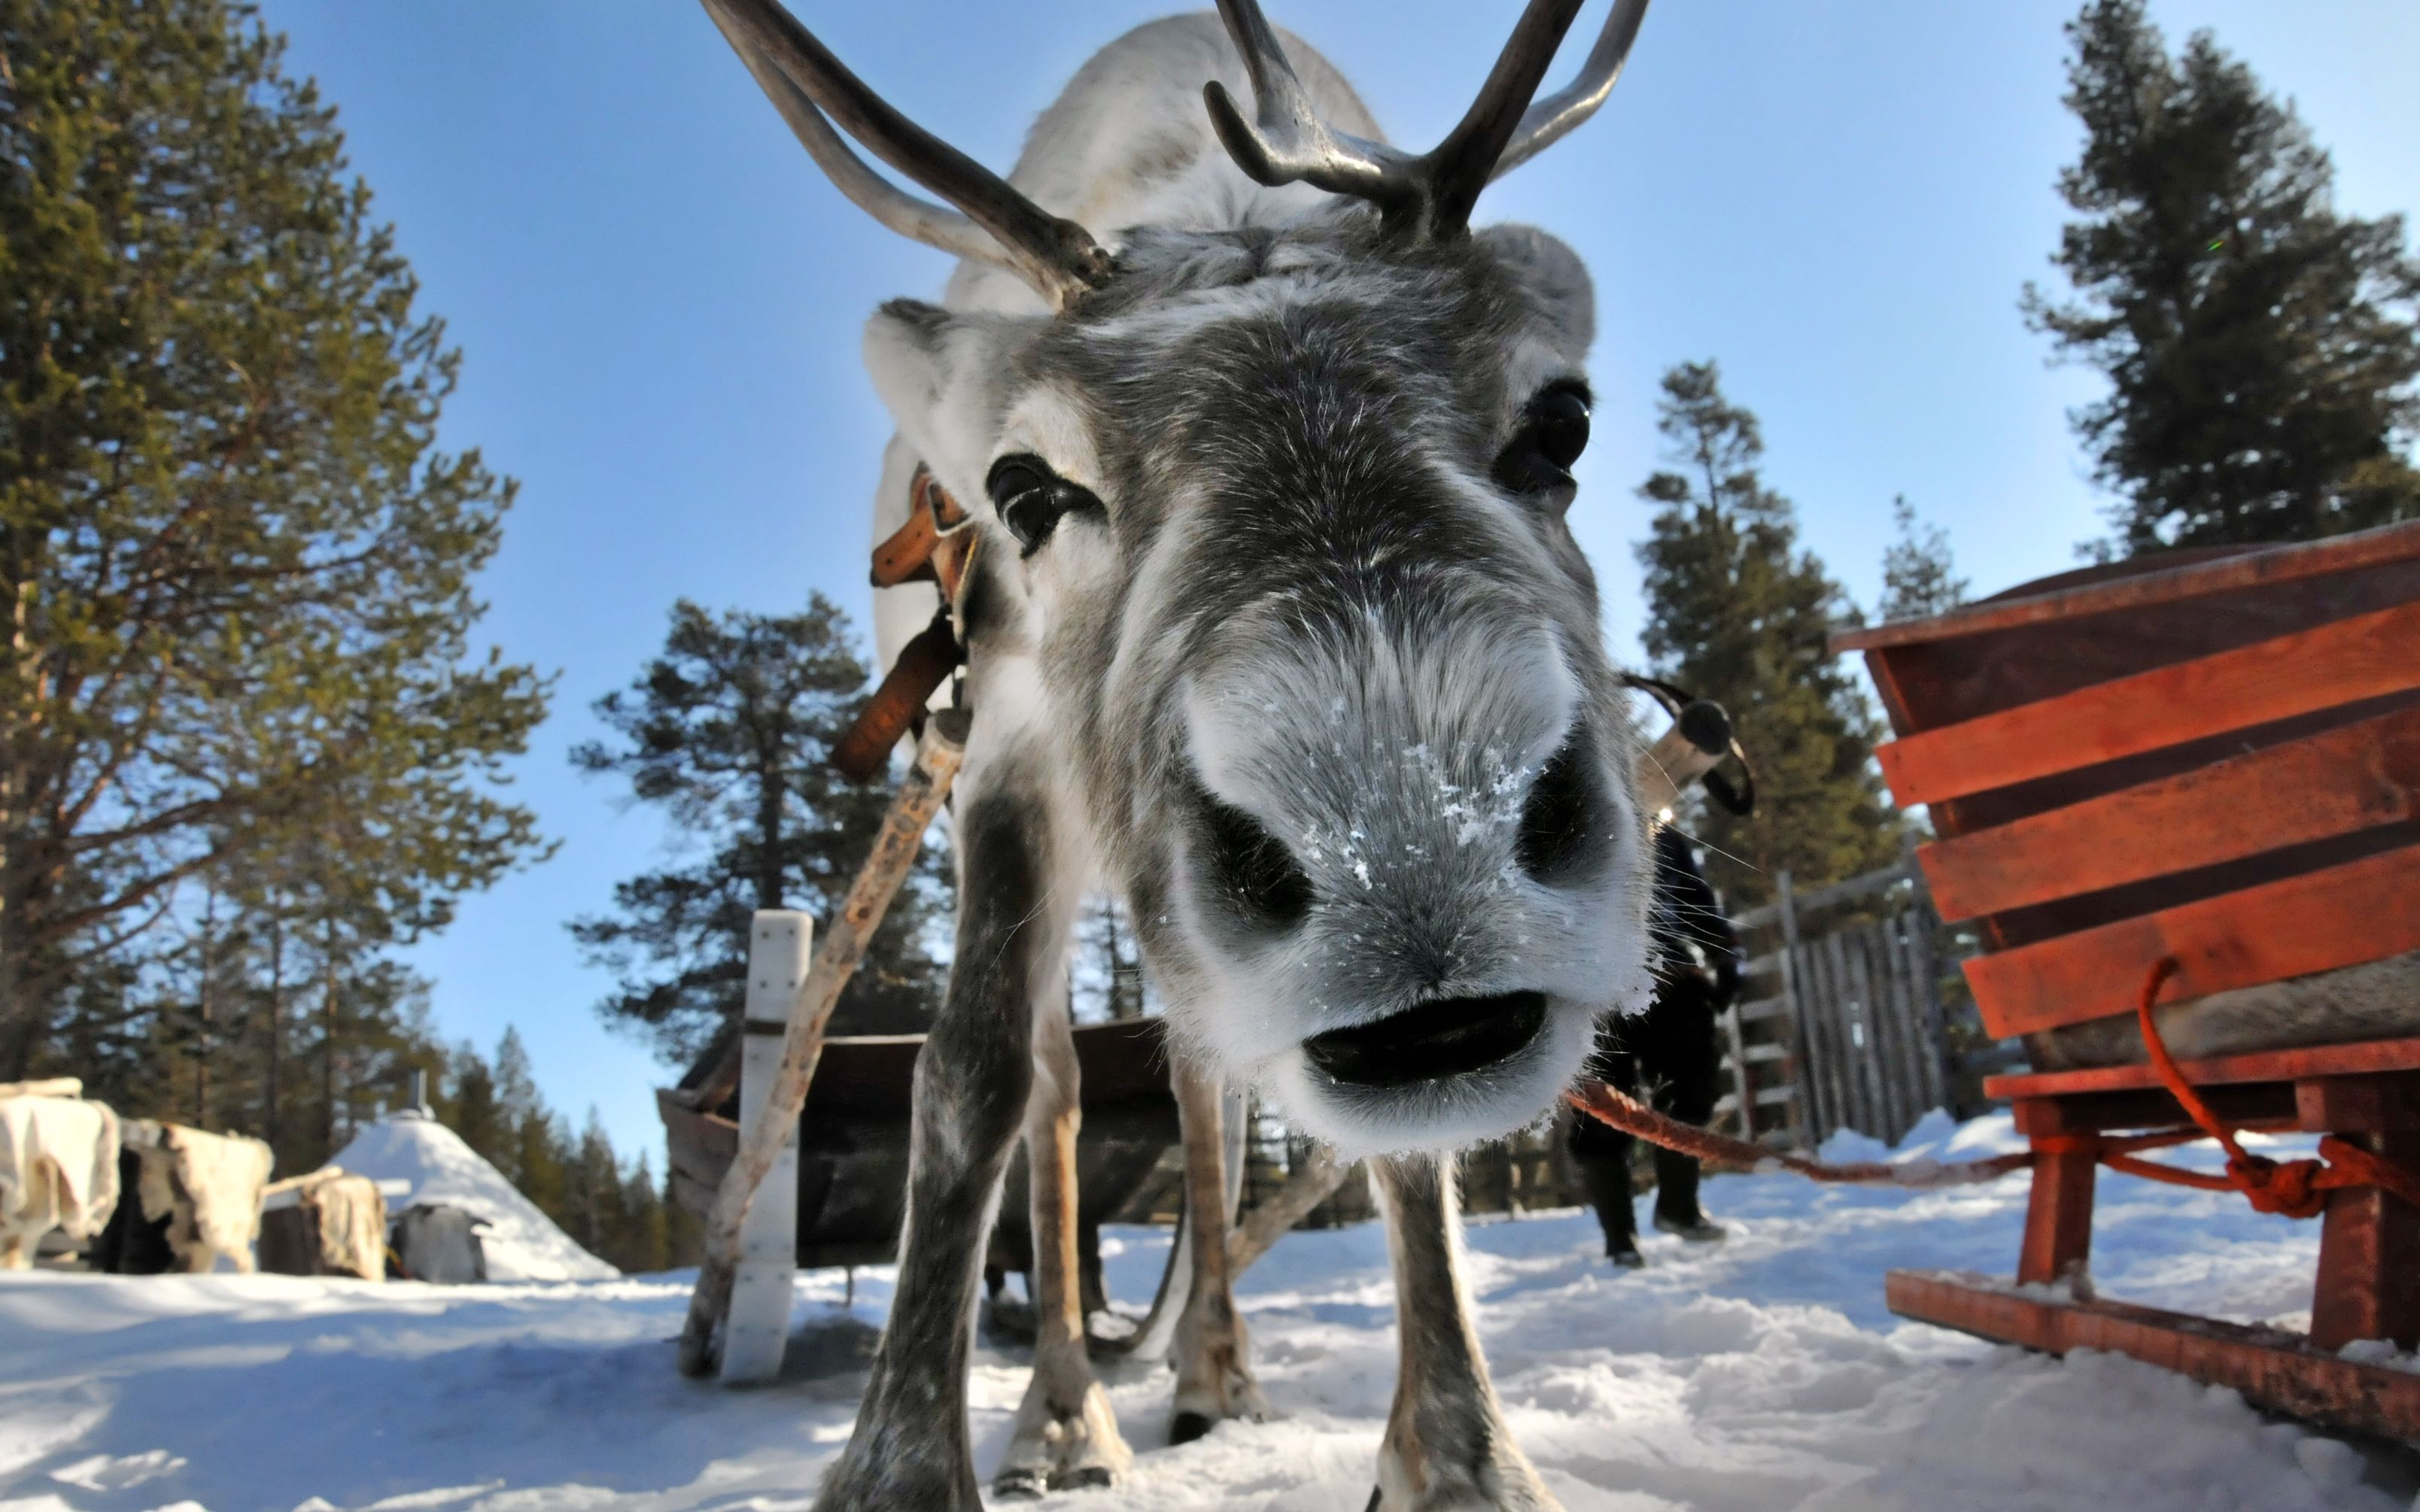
(941, 374)
(1552, 275)
(907, 346)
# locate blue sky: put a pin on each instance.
(659, 303)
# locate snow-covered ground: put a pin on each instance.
(1763, 1373)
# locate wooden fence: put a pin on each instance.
(1846, 1018)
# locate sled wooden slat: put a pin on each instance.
(2344, 661)
(2352, 778)
(2227, 574)
(2369, 1057)
(2365, 910)
(2282, 1372)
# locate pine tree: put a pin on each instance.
(596, 1213)
(2260, 347)
(684, 1235)
(477, 1113)
(728, 731)
(1738, 613)
(1106, 981)
(1920, 575)
(642, 1244)
(236, 568)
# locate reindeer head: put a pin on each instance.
(1275, 561)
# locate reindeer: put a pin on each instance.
(1274, 625)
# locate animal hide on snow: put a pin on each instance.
(336, 1226)
(58, 1169)
(439, 1244)
(44, 1087)
(208, 1187)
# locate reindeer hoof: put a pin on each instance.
(1627, 1258)
(1187, 1426)
(1084, 1478)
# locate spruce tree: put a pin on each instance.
(1738, 613)
(728, 731)
(2259, 346)
(1919, 574)
(236, 568)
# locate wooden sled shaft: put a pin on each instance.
(938, 758)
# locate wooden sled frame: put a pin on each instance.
(2369, 1281)
(2213, 763)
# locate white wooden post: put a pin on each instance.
(758, 1324)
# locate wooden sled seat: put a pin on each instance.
(853, 1136)
(2211, 759)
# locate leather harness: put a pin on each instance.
(935, 546)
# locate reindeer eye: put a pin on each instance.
(1553, 435)
(1031, 498)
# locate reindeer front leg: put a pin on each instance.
(1446, 1447)
(909, 1450)
(1214, 1376)
(1066, 1435)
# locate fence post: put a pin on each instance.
(1742, 1084)
(758, 1324)
(1922, 921)
(1808, 1116)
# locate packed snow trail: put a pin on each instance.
(1760, 1373)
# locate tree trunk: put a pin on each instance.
(328, 1041)
(275, 1118)
(771, 799)
(202, 1039)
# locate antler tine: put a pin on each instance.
(920, 220)
(1556, 116)
(1287, 139)
(1431, 195)
(1461, 165)
(997, 226)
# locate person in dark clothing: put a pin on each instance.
(1667, 1055)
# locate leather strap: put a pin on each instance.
(934, 545)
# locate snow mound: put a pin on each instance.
(521, 1243)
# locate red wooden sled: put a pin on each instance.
(2215, 761)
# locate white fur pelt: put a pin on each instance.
(208, 1186)
(58, 1169)
(341, 1220)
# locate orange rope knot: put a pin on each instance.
(2294, 1188)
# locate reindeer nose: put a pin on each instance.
(1450, 1037)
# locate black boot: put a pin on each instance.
(1676, 1200)
(1610, 1194)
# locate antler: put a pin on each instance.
(1559, 114)
(811, 90)
(1431, 195)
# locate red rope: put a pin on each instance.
(2296, 1188)
(1631, 1117)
